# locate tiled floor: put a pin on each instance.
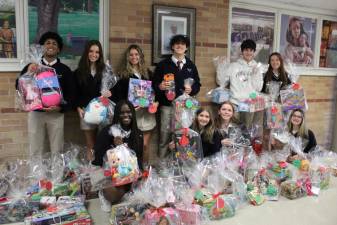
(321, 210)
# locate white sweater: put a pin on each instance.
(243, 78)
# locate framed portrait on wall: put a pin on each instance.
(297, 40)
(8, 34)
(328, 52)
(167, 22)
(255, 25)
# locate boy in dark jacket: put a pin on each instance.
(50, 119)
(182, 68)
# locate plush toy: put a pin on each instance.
(98, 110)
(49, 88)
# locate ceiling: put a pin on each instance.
(320, 4)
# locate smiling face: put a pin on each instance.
(295, 28)
(134, 57)
(51, 48)
(297, 118)
(248, 54)
(275, 62)
(226, 112)
(93, 54)
(125, 116)
(179, 49)
(203, 118)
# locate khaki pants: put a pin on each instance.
(166, 115)
(38, 124)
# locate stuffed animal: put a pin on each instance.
(97, 111)
(49, 88)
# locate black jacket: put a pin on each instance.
(166, 66)
(273, 78)
(104, 142)
(309, 142)
(67, 83)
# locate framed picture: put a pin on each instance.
(328, 53)
(167, 22)
(255, 25)
(297, 40)
(76, 21)
(8, 43)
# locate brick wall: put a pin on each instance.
(131, 22)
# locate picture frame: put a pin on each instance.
(257, 25)
(328, 48)
(68, 17)
(298, 40)
(167, 22)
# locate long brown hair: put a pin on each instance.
(125, 68)
(303, 131)
(218, 118)
(206, 132)
(282, 73)
(84, 63)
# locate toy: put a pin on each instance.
(99, 110)
(219, 95)
(188, 145)
(184, 110)
(293, 98)
(29, 93)
(254, 103)
(275, 116)
(123, 165)
(140, 93)
(170, 92)
(49, 86)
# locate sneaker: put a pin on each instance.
(105, 204)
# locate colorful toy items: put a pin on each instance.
(293, 98)
(99, 110)
(219, 95)
(170, 92)
(49, 86)
(184, 109)
(29, 93)
(123, 165)
(254, 103)
(275, 116)
(140, 93)
(188, 145)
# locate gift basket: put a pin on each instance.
(141, 93)
(184, 108)
(320, 171)
(128, 213)
(255, 102)
(219, 95)
(188, 145)
(293, 98)
(100, 110)
(275, 118)
(39, 88)
(170, 91)
(298, 186)
(122, 165)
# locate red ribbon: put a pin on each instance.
(215, 196)
(184, 141)
(104, 101)
(46, 184)
(308, 186)
(145, 174)
(160, 211)
(296, 86)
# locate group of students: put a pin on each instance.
(84, 84)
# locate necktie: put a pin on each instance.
(180, 65)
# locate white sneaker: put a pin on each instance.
(105, 204)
